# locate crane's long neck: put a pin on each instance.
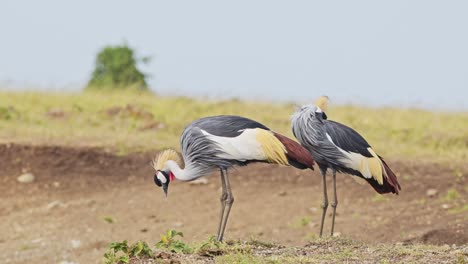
(308, 130)
(186, 174)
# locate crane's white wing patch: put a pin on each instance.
(243, 147)
(368, 167)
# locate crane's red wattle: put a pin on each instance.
(171, 176)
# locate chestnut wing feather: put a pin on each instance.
(297, 155)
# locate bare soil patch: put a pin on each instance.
(84, 198)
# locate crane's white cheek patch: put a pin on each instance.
(161, 177)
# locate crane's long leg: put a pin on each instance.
(334, 203)
(229, 202)
(325, 199)
(223, 203)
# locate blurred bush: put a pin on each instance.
(116, 68)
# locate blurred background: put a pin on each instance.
(91, 91)
(398, 53)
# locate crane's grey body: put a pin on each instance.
(324, 139)
(221, 142)
(340, 148)
(225, 125)
(202, 153)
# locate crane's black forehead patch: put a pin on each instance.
(156, 180)
(226, 125)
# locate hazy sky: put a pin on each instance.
(408, 53)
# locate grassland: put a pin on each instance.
(327, 250)
(127, 122)
(132, 122)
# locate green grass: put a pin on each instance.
(379, 198)
(154, 122)
(327, 250)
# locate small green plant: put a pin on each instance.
(379, 198)
(421, 201)
(461, 259)
(302, 222)
(459, 176)
(7, 113)
(305, 220)
(259, 243)
(26, 247)
(310, 236)
(407, 177)
(117, 253)
(121, 252)
(211, 247)
(140, 249)
(451, 195)
(108, 219)
(459, 209)
(239, 258)
(169, 242)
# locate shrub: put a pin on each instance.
(116, 68)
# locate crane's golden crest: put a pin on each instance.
(273, 149)
(322, 102)
(165, 155)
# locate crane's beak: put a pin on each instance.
(165, 187)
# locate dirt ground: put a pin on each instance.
(82, 199)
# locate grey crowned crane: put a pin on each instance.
(221, 142)
(339, 148)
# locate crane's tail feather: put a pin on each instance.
(297, 155)
(390, 181)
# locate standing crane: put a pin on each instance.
(339, 148)
(221, 142)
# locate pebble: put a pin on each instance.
(56, 184)
(282, 193)
(431, 192)
(54, 204)
(26, 178)
(75, 243)
(336, 234)
(446, 206)
(178, 224)
(67, 262)
(37, 240)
